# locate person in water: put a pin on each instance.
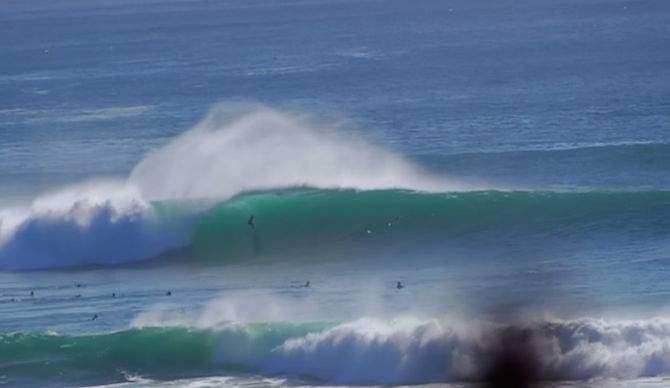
(307, 284)
(399, 286)
(251, 222)
(169, 293)
(32, 293)
(94, 317)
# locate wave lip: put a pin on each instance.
(236, 149)
(65, 230)
(196, 193)
(320, 222)
(101, 223)
(365, 351)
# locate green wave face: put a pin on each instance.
(151, 350)
(315, 221)
(148, 351)
(307, 224)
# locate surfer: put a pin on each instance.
(114, 295)
(94, 317)
(32, 293)
(399, 286)
(307, 284)
(251, 222)
(169, 293)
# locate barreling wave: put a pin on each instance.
(320, 220)
(194, 195)
(237, 148)
(359, 352)
(302, 222)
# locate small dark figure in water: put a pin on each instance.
(251, 222)
(399, 286)
(78, 296)
(169, 293)
(13, 300)
(78, 285)
(94, 317)
(32, 293)
(307, 284)
(113, 295)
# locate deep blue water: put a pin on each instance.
(547, 97)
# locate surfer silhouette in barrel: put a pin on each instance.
(257, 242)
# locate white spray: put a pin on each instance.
(242, 148)
(236, 148)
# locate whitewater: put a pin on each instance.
(236, 149)
(358, 352)
(504, 163)
(328, 208)
(307, 184)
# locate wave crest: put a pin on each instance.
(308, 223)
(240, 148)
(365, 351)
(235, 149)
(96, 223)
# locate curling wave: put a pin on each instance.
(321, 220)
(302, 222)
(310, 188)
(237, 148)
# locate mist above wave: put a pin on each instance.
(243, 147)
(236, 148)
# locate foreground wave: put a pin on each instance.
(304, 222)
(359, 352)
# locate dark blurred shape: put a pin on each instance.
(514, 362)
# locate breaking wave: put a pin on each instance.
(310, 188)
(360, 352)
(314, 221)
(237, 148)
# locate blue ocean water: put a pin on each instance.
(505, 160)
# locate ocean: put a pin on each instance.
(506, 162)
